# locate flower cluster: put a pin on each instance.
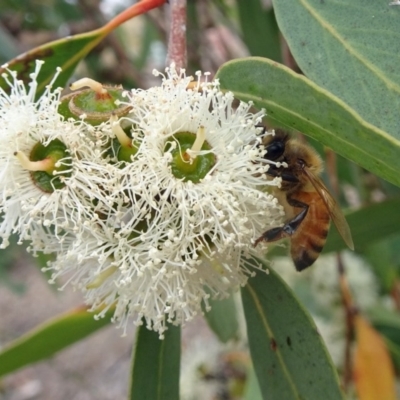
(151, 210)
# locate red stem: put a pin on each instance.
(137, 9)
(177, 38)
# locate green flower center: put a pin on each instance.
(184, 164)
(96, 106)
(124, 146)
(46, 180)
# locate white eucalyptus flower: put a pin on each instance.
(52, 173)
(190, 200)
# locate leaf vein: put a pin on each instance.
(271, 335)
(389, 84)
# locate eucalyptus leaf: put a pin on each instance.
(289, 356)
(387, 322)
(293, 101)
(156, 365)
(260, 30)
(252, 390)
(64, 53)
(351, 48)
(49, 338)
(222, 318)
(384, 257)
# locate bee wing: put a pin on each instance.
(333, 208)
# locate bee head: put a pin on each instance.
(275, 145)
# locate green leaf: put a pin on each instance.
(292, 100)
(222, 318)
(384, 257)
(351, 48)
(289, 357)
(49, 338)
(260, 30)
(64, 53)
(387, 322)
(368, 225)
(252, 391)
(156, 364)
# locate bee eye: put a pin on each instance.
(275, 150)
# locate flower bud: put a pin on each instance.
(95, 104)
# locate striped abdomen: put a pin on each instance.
(310, 237)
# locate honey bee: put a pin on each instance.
(308, 205)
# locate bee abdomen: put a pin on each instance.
(304, 260)
(306, 248)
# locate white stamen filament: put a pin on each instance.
(43, 165)
(87, 82)
(122, 137)
(198, 143)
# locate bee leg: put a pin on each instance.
(271, 235)
(289, 228)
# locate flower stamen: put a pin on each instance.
(128, 147)
(123, 139)
(97, 87)
(46, 165)
(198, 143)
